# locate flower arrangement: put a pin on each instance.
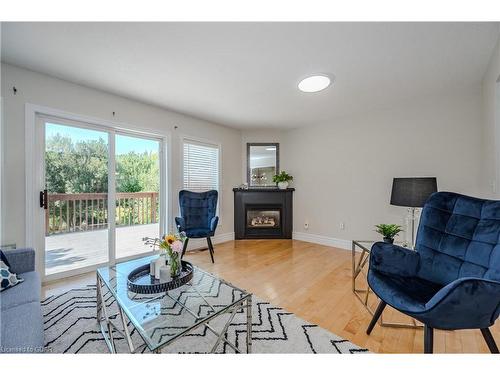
(173, 244)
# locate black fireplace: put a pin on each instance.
(263, 213)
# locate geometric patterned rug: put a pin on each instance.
(71, 327)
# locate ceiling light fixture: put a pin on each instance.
(314, 83)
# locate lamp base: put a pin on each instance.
(411, 220)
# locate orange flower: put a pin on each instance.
(170, 239)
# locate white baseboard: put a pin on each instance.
(199, 243)
(322, 240)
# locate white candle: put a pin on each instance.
(164, 273)
(158, 263)
(152, 267)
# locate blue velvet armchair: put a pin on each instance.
(198, 217)
(452, 279)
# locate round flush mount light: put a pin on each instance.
(314, 83)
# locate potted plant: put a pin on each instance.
(282, 179)
(388, 231)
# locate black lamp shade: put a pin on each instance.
(412, 191)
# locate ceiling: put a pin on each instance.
(245, 75)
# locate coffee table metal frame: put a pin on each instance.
(359, 266)
(108, 327)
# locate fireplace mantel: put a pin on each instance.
(276, 206)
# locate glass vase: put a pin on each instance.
(175, 265)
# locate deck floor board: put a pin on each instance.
(68, 251)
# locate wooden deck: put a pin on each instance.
(68, 251)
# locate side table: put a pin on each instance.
(360, 261)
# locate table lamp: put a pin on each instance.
(412, 192)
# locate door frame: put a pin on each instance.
(35, 177)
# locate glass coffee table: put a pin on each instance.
(165, 317)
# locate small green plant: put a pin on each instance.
(282, 177)
(388, 230)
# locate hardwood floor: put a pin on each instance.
(313, 282)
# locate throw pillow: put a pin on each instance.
(8, 279)
(3, 258)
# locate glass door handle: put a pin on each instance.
(44, 199)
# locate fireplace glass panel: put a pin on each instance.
(263, 218)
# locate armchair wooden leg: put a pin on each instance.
(184, 247)
(376, 316)
(490, 341)
(210, 248)
(428, 339)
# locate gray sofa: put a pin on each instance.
(21, 323)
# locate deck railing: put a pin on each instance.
(89, 211)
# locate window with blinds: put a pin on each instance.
(201, 166)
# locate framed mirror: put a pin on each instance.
(262, 164)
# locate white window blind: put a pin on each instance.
(201, 166)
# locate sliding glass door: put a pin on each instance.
(76, 176)
(137, 193)
(91, 215)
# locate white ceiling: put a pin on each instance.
(244, 75)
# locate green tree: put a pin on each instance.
(83, 168)
(137, 172)
(57, 165)
(76, 168)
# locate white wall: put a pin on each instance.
(43, 90)
(343, 170)
(491, 119)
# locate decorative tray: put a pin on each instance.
(140, 281)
